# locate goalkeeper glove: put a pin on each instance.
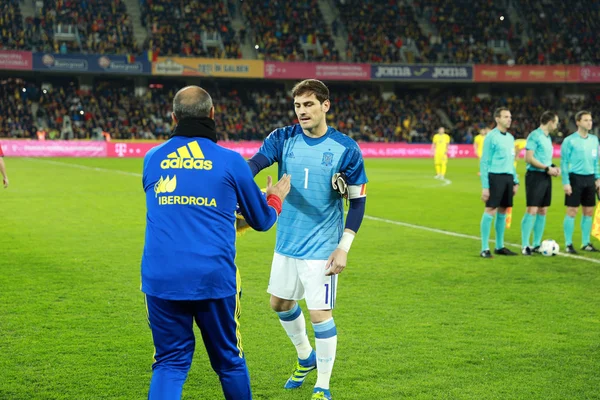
(340, 185)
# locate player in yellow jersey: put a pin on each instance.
(519, 145)
(478, 145)
(439, 149)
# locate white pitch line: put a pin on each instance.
(387, 221)
(462, 235)
(98, 169)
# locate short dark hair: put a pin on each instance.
(580, 115)
(311, 86)
(547, 116)
(498, 111)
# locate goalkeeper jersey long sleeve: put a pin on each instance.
(192, 186)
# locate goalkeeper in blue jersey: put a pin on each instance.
(312, 241)
(192, 187)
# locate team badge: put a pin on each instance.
(327, 159)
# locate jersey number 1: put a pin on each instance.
(305, 178)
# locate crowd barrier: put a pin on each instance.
(60, 148)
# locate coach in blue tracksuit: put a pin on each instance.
(192, 187)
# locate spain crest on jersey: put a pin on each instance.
(327, 159)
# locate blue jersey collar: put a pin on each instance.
(315, 141)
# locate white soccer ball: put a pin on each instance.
(549, 248)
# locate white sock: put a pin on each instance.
(295, 326)
(326, 346)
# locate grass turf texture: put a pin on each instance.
(419, 314)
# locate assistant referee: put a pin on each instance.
(538, 182)
(499, 181)
(581, 179)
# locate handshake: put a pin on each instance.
(280, 190)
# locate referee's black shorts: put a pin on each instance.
(538, 188)
(584, 191)
(501, 190)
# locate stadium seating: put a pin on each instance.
(564, 33)
(15, 119)
(378, 30)
(12, 34)
(468, 28)
(192, 28)
(101, 26)
(289, 30)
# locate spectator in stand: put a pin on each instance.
(290, 30)
(178, 28)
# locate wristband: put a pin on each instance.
(547, 169)
(346, 241)
(275, 202)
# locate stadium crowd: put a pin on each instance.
(251, 110)
(289, 30)
(377, 30)
(177, 28)
(561, 32)
(12, 34)
(374, 31)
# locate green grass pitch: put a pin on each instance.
(419, 314)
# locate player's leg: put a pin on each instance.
(530, 212)
(444, 167)
(572, 201)
(526, 228)
(505, 202)
(488, 216)
(438, 167)
(588, 202)
(320, 297)
(285, 288)
(586, 229)
(171, 323)
(538, 228)
(540, 219)
(218, 321)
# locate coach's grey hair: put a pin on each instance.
(192, 102)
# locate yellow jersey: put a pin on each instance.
(520, 144)
(478, 141)
(441, 142)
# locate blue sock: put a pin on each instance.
(586, 230)
(538, 229)
(486, 228)
(526, 226)
(568, 228)
(500, 226)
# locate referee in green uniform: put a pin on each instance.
(538, 182)
(499, 181)
(581, 179)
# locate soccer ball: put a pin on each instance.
(549, 248)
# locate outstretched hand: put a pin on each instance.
(281, 188)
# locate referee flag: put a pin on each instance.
(596, 223)
(508, 217)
